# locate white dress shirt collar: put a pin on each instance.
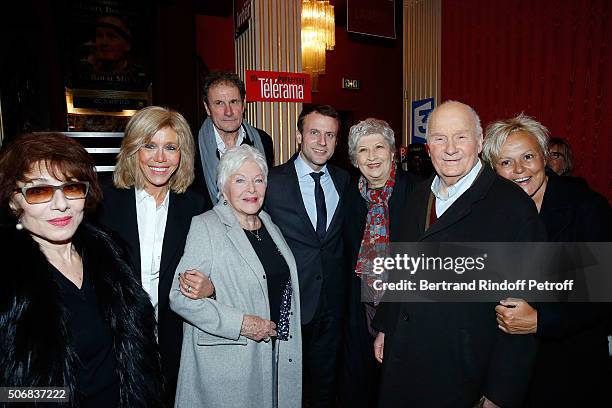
(151, 220)
(455, 191)
(221, 143)
(302, 169)
(142, 195)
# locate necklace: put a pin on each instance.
(255, 234)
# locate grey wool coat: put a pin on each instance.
(219, 367)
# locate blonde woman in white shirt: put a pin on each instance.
(149, 208)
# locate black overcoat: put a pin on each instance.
(451, 354)
(572, 366)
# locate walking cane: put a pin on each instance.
(275, 344)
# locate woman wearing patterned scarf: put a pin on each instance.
(376, 200)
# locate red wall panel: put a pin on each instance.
(377, 63)
(215, 42)
(550, 59)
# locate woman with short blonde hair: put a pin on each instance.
(517, 148)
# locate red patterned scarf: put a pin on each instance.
(375, 241)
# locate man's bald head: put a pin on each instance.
(455, 107)
(454, 138)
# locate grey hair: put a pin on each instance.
(233, 159)
(498, 132)
(369, 126)
(478, 126)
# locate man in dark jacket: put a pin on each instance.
(225, 101)
(452, 354)
(305, 198)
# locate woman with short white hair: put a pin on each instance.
(227, 358)
(377, 200)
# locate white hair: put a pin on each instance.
(369, 126)
(233, 159)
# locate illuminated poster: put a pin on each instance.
(108, 45)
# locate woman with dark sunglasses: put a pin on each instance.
(71, 313)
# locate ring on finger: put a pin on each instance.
(189, 289)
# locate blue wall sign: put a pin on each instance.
(420, 113)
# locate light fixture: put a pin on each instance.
(318, 35)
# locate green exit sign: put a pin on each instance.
(350, 83)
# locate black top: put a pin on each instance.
(572, 212)
(97, 378)
(277, 270)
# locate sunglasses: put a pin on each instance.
(73, 190)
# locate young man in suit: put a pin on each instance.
(305, 199)
(452, 354)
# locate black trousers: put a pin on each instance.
(360, 372)
(321, 340)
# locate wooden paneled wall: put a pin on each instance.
(272, 43)
(422, 55)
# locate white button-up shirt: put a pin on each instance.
(307, 186)
(455, 191)
(151, 229)
(221, 144)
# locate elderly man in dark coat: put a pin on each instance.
(452, 354)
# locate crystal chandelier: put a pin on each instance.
(318, 35)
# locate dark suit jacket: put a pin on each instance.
(451, 354)
(199, 184)
(117, 212)
(319, 263)
(572, 212)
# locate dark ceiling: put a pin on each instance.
(219, 8)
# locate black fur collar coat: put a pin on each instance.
(35, 346)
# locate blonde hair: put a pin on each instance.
(139, 131)
(498, 132)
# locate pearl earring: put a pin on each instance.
(19, 226)
(224, 202)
